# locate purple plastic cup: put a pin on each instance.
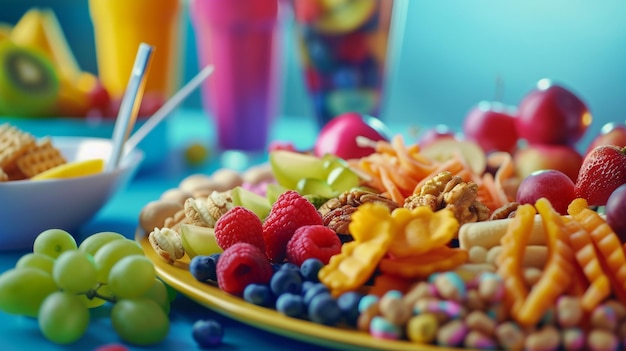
(241, 39)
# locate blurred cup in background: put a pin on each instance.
(241, 38)
(343, 49)
(120, 26)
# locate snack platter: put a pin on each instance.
(177, 276)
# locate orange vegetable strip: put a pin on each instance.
(421, 266)
(557, 275)
(504, 174)
(417, 168)
(488, 194)
(609, 247)
(509, 262)
(587, 257)
(391, 188)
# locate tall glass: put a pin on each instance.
(241, 39)
(344, 49)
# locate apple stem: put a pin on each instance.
(362, 141)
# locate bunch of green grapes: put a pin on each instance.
(60, 281)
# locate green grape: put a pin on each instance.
(22, 290)
(74, 272)
(140, 321)
(63, 318)
(158, 292)
(53, 242)
(112, 252)
(93, 302)
(92, 243)
(34, 260)
(132, 276)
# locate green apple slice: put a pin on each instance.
(444, 149)
(314, 186)
(251, 200)
(289, 167)
(273, 191)
(198, 240)
(342, 179)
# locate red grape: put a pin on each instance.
(616, 211)
(554, 185)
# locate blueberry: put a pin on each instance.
(258, 294)
(290, 305)
(349, 305)
(289, 265)
(286, 280)
(313, 291)
(203, 267)
(323, 309)
(310, 268)
(306, 285)
(207, 333)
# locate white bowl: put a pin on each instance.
(30, 207)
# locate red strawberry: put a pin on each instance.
(239, 224)
(240, 265)
(290, 212)
(313, 241)
(602, 171)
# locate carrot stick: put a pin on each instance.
(509, 262)
(587, 257)
(557, 275)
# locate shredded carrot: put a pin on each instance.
(609, 246)
(587, 257)
(511, 257)
(557, 274)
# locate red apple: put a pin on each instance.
(610, 134)
(339, 136)
(552, 114)
(537, 157)
(492, 126)
(435, 133)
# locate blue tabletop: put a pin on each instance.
(121, 215)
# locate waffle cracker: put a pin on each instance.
(40, 158)
(13, 144)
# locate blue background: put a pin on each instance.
(452, 55)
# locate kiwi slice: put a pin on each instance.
(29, 84)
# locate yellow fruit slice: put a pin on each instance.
(72, 170)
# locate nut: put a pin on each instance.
(167, 243)
(154, 214)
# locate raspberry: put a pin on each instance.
(239, 224)
(240, 265)
(290, 212)
(313, 241)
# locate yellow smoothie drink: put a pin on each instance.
(121, 25)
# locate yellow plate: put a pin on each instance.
(178, 277)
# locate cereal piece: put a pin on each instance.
(350, 269)
(452, 333)
(450, 309)
(569, 311)
(544, 339)
(175, 195)
(602, 340)
(422, 266)
(480, 321)
(394, 309)
(477, 254)
(490, 287)
(479, 341)
(366, 301)
(13, 144)
(498, 312)
(604, 317)
(618, 307)
(510, 336)
(367, 313)
(420, 290)
(422, 328)
(420, 230)
(573, 339)
(450, 286)
(39, 158)
(532, 275)
(470, 272)
(381, 328)
(154, 214)
(474, 301)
